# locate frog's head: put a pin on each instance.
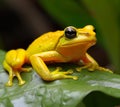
(74, 37)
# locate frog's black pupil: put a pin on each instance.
(70, 32)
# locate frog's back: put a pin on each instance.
(45, 42)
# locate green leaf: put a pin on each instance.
(60, 93)
(67, 12)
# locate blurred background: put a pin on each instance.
(22, 21)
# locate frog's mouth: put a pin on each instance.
(82, 43)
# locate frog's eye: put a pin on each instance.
(70, 32)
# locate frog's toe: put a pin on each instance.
(60, 71)
(26, 69)
(70, 76)
(62, 75)
(104, 69)
(21, 82)
(75, 77)
(70, 71)
(91, 69)
(78, 69)
(9, 84)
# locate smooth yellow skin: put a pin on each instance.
(53, 47)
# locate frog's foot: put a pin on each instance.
(57, 74)
(21, 81)
(9, 83)
(84, 67)
(16, 73)
(92, 67)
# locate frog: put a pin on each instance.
(61, 46)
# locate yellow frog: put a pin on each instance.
(69, 45)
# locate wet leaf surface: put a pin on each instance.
(59, 93)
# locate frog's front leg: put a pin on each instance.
(89, 63)
(40, 67)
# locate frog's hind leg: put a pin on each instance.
(13, 63)
(11, 74)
